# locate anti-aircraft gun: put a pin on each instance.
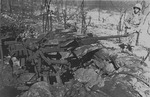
(44, 57)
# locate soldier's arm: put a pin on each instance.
(128, 21)
(141, 25)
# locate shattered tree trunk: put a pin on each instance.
(65, 15)
(2, 64)
(10, 6)
(0, 39)
(99, 11)
(0, 8)
(48, 22)
(42, 6)
(1, 55)
(83, 29)
(58, 10)
(137, 38)
(47, 18)
(0, 11)
(119, 27)
(51, 22)
(65, 21)
(146, 5)
(50, 19)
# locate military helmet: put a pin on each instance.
(138, 5)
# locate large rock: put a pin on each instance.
(39, 89)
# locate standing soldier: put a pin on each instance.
(133, 22)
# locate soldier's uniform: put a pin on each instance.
(132, 23)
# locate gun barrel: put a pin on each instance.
(107, 37)
(91, 40)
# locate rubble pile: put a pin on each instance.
(63, 64)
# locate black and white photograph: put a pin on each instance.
(74, 48)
